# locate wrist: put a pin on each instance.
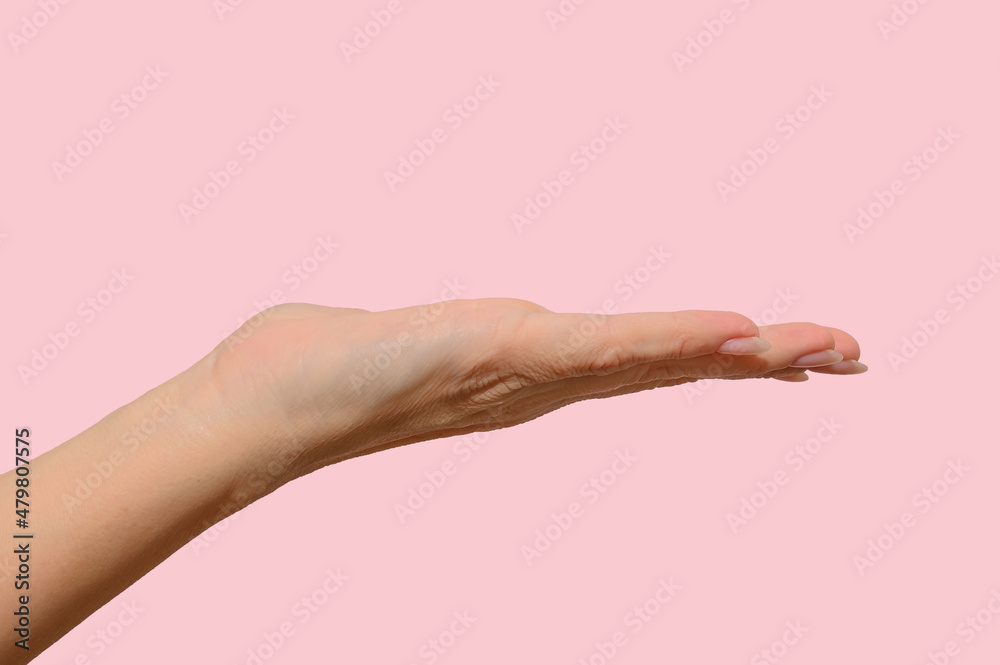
(248, 398)
(241, 447)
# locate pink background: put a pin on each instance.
(700, 451)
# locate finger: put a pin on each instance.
(571, 345)
(790, 343)
(845, 344)
(798, 344)
(850, 349)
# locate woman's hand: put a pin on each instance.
(348, 382)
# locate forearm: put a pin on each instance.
(113, 502)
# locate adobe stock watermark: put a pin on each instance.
(778, 649)
(87, 310)
(433, 481)
(294, 277)
(441, 643)
(637, 618)
(592, 490)
(98, 642)
(580, 160)
(387, 353)
(787, 127)
(258, 484)
(454, 117)
(925, 500)
(365, 34)
(102, 639)
(631, 282)
(913, 169)
(562, 12)
(782, 304)
(303, 610)
(968, 629)
(86, 486)
(899, 16)
(796, 459)
(958, 297)
(32, 23)
(249, 149)
(123, 106)
(638, 277)
(712, 30)
(225, 7)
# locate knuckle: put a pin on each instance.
(609, 354)
(820, 334)
(610, 358)
(685, 345)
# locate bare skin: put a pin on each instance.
(293, 397)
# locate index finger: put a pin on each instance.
(571, 345)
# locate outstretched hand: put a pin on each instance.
(349, 382)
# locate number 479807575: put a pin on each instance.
(22, 453)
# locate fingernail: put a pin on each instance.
(843, 367)
(820, 359)
(745, 346)
(794, 378)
